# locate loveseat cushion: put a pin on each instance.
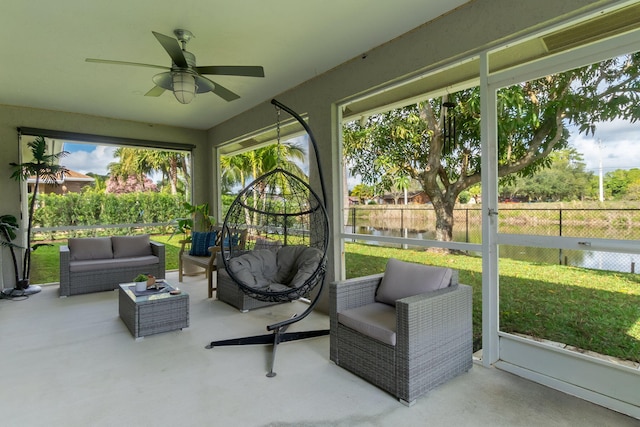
(113, 263)
(376, 320)
(90, 248)
(131, 246)
(404, 279)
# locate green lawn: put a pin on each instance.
(592, 310)
(589, 309)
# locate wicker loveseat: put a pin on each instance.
(96, 264)
(406, 331)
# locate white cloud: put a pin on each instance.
(616, 142)
(89, 158)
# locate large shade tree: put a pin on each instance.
(533, 122)
(565, 180)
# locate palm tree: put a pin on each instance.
(140, 162)
(133, 162)
(260, 161)
(170, 164)
(44, 168)
(238, 168)
(234, 170)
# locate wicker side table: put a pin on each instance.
(152, 314)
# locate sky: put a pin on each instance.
(85, 158)
(619, 148)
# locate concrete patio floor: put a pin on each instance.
(72, 362)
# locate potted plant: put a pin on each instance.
(198, 219)
(141, 282)
(44, 168)
(8, 228)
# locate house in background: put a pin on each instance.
(73, 182)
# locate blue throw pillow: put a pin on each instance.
(201, 241)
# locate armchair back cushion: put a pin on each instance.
(404, 279)
(201, 241)
(90, 249)
(131, 246)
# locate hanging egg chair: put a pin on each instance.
(285, 256)
(288, 233)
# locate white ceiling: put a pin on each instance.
(45, 43)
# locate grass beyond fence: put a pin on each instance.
(589, 309)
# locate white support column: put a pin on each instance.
(339, 186)
(489, 136)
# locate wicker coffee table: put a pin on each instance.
(154, 312)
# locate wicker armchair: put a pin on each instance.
(409, 349)
(206, 260)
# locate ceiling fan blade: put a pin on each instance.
(231, 70)
(173, 49)
(206, 85)
(135, 64)
(155, 91)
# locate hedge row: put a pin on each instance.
(79, 209)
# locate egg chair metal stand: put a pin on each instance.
(285, 256)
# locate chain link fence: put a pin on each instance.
(419, 221)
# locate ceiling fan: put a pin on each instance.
(184, 78)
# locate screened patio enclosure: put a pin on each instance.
(584, 39)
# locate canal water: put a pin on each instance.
(597, 260)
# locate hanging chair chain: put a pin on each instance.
(278, 136)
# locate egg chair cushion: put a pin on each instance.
(296, 264)
(276, 271)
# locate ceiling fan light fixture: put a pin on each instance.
(184, 86)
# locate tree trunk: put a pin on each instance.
(444, 219)
(173, 174)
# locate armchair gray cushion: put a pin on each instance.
(375, 320)
(404, 279)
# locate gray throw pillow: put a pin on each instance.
(404, 279)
